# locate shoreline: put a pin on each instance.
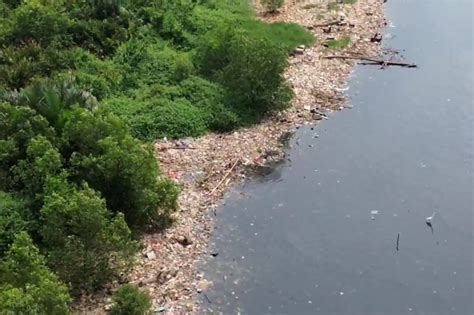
(210, 166)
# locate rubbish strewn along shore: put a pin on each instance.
(209, 166)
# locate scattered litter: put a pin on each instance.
(208, 164)
(151, 255)
(161, 309)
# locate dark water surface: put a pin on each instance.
(307, 239)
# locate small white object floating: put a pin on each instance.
(374, 213)
(429, 219)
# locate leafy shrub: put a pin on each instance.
(27, 286)
(42, 24)
(102, 78)
(11, 220)
(129, 300)
(82, 242)
(30, 174)
(118, 166)
(160, 118)
(17, 126)
(52, 99)
(210, 98)
(20, 65)
(250, 69)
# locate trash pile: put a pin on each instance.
(209, 166)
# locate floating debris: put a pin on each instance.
(398, 241)
(374, 213)
(429, 220)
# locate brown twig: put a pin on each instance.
(372, 61)
(226, 175)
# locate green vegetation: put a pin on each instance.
(76, 181)
(26, 284)
(338, 43)
(82, 84)
(129, 300)
(145, 60)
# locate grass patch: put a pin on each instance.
(338, 43)
(288, 35)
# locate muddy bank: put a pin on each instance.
(209, 166)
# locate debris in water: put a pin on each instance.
(374, 213)
(398, 240)
(207, 298)
(428, 221)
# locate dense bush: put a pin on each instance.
(118, 166)
(160, 118)
(251, 70)
(91, 145)
(12, 220)
(129, 300)
(74, 170)
(27, 286)
(125, 49)
(80, 237)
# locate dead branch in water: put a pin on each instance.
(372, 61)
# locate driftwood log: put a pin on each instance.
(373, 61)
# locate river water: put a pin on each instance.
(319, 234)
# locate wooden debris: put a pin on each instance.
(373, 61)
(225, 177)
